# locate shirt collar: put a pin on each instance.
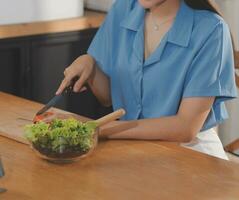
(135, 18)
(181, 30)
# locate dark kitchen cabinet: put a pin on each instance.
(12, 70)
(32, 67)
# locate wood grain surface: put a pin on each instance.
(117, 169)
(89, 20)
(13, 111)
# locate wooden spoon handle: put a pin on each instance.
(110, 117)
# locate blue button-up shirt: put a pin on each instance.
(194, 59)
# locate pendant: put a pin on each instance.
(156, 27)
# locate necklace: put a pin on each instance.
(156, 25)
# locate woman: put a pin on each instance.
(169, 64)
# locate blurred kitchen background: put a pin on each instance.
(229, 131)
(32, 65)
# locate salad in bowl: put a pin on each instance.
(62, 139)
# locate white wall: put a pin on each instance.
(25, 11)
(229, 131)
(103, 5)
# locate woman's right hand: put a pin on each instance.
(83, 67)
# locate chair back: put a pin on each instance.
(237, 67)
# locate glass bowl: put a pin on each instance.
(68, 155)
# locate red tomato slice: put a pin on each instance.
(39, 118)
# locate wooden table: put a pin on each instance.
(117, 170)
(91, 19)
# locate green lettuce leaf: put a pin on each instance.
(62, 134)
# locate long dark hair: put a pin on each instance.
(202, 5)
(206, 5)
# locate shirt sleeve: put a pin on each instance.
(102, 46)
(212, 71)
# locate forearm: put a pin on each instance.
(166, 128)
(182, 127)
(100, 84)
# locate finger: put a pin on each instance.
(66, 82)
(66, 71)
(79, 84)
(62, 86)
(83, 89)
